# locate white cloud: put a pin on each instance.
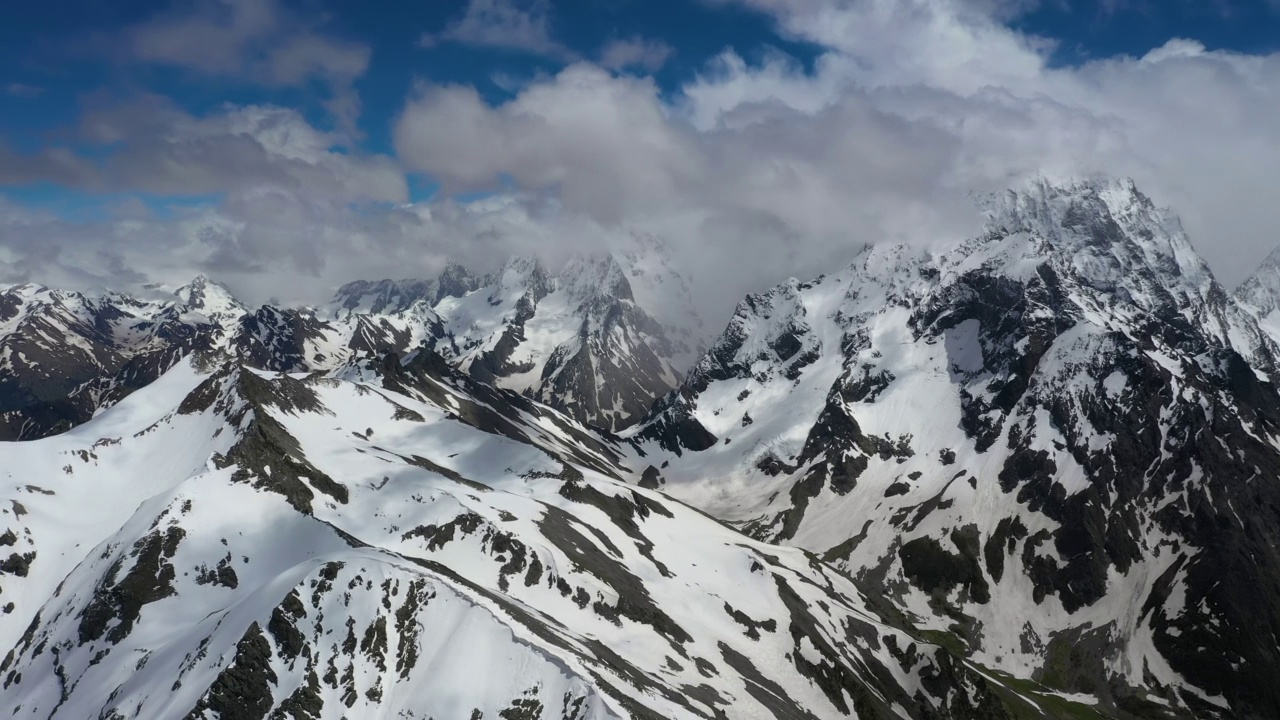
(769, 198)
(277, 242)
(295, 211)
(602, 143)
(767, 168)
(256, 40)
(911, 105)
(156, 147)
(523, 25)
(635, 52)
(1194, 127)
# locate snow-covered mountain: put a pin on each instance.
(1056, 446)
(408, 542)
(579, 340)
(1035, 474)
(65, 355)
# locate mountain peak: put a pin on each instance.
(595, 276)
(1104, 231)
(379, 296)
(520, 275)
(455, 281)
(198, 287)
(1044, 201)
(1261, 291)
(211, 299)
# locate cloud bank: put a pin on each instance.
(767, 168)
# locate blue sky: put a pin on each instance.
(60, 52)
(54, 54)
(133, 128)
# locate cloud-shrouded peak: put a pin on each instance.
(379, 296)
(209, 298)
(595, 277)
(1104, 228)
(1050, 205)
(1261, 290)
(864, 122)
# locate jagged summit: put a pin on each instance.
(211, 299)
(456, 281)
(1055, 422)
(1260, 292)
(381, 296)
(520, 327)
(1106, 228)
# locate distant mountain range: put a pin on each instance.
(1034, 474)
(579, 340)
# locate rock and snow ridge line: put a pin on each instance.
(412, 543)
(579, 340)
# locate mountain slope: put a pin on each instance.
(1055, 445)
(412, 544)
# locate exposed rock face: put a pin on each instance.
(1056, 443)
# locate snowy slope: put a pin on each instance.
(1054, 445)
(405, 542)
(65, 356)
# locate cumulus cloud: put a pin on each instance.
(256, 40)
(289, 208)
(1192, 126)
(508, 24)
(148, 144)
(911, 106)
(769, 167)
(761, 195)
(635, 53)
